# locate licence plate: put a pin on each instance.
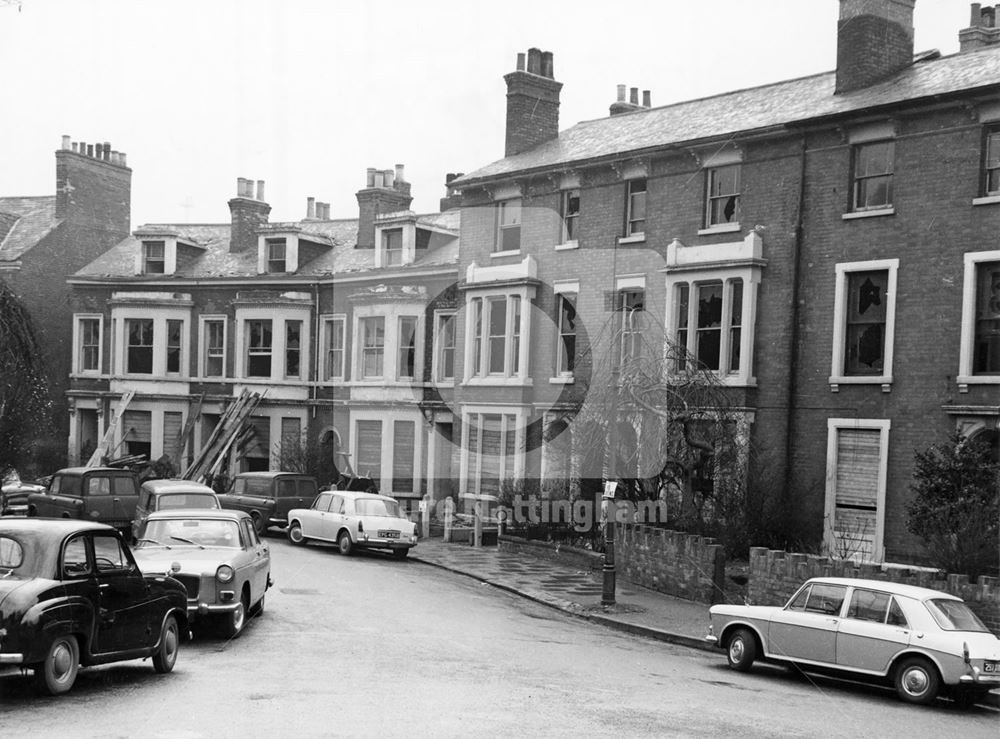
(389, 534)
(989, 666)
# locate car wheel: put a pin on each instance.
(259, 608)
(741, 650)
(917, 681)
(344, 543)
(258, 523)
(295, 533)
(400, 553)
(166, 652)
(57, 673)
(235, 621)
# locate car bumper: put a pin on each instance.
(16, 510)
(978, 677)
(377, 543)
(201, 608)
(11, 658)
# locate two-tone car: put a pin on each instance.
(217, 555)
(162, 495)
(922, 641)
(71, 595)
(353, 520)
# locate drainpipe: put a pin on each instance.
(794, 341)
(316, 342)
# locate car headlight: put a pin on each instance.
(225, 573)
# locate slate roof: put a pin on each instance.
(24, 221)
(217, 262)
(760, 108)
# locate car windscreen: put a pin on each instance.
(376, 507)
(186, 500)
(204, 532)
(954, 615)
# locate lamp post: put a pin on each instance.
(608, 511)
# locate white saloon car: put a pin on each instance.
(921, 640)
(353, 519)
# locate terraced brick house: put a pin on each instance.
(327, 318)
(828, 246)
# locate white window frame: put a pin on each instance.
(856, 179)
(387, 444)
(972, 260)
(161, 260)
(834, 425)
(710, 173)
(837, 375)
(437, 363)
(301, 349)
(750, 279)
(203, 322)
(564, 230)
(78, 321)
(515, 363)
(991, 135)
(180, 348)
(386, 234)
(334, 373)
(270, 243)
(362, 346)
(271, 351)
(637, 235)
(501, 209)
(569, 290)
(400, 346)
(471, 459)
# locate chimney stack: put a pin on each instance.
(983, 30)
(453, 196)
(532, 102)
(79, 169)
(248, 215)
(310, 207)
(383, 193)
(874, 41)
(621, 105)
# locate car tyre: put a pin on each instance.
(258, 523)
(57, 673)
(917, 681)
(166, 652)
(400, 553)
(233, 625)
(344, 543)
(295, 533)
(741, 650)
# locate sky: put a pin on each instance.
(307, 94)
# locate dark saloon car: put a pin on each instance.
(71, 594)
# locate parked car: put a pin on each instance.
(920, 640)
(71, 594)
(105, 494)
(217, 555)
(353, 519)
(14, 494)
(269, 496)
(161, 495)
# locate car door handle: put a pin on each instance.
(833, 620)
(104, 585)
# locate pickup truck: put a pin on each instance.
(102, 494)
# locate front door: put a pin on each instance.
(806, 629)
(872, 633)
(125, 612)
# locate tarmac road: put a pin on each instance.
(370, 646)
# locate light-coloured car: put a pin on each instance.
(922, 641)
(353, 519)
(217, 555)
(162, 495)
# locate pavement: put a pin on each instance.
(575, 591)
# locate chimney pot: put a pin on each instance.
(633, 95)
(106, 154)
(114, 157)
(379, 179)
(535, 61)
(90, 150)
(241, 187)
(621, 93)
(326, 211)
(645, 99)
(123, 159)
(977, 15)
(399, 173)
(260, 190)
(547, 65)
(74, 145)
(65, 142)
(370, 174)
(388, 177)
(310, 207)
(449, 177)
(520, 62)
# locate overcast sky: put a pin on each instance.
(306, 94)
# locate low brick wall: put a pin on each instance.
(672, 562)
(583, 559)
(775, 575)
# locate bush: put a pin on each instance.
(956, 506)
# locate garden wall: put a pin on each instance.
(775, 575)
(672, 562)
(584, 559)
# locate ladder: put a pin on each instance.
(113, 423)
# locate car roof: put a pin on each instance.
(189, 486)
(49, 526)
(81, 470)
(895, 588)
(223, 514)
(268, 475)
(356, 494)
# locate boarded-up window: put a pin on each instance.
(369, 461)
(171, 435)
(855, 516)
(136, 430)
(259, 447)
(402, 456)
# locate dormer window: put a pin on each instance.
(153, 258)
(275, 256)
(392, 247)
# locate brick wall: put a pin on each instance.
(581, 558)
(775, 575)
(672, 562)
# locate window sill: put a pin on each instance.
(562, 380)
(868, 213)
(987, 200)
(633, 239)
(568, 245)
(508, 253)
(498, 381)
(722, 228)
(884, 380)
(963, 381)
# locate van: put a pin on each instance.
(269, 496)
(161, 495)
(104, 494)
